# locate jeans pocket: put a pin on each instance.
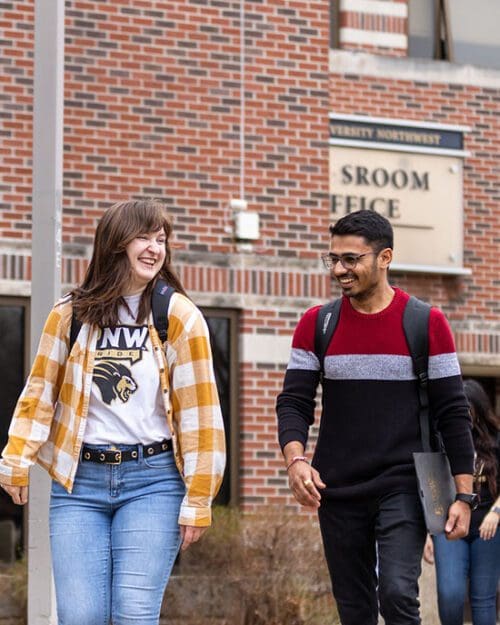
(160, 461)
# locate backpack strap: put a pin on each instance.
(416, 328)
(160, 301)
(326, 322)
(76, 325)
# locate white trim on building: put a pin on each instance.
(421, 70)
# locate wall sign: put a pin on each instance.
(411, 174)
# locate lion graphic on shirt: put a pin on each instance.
(114, 380)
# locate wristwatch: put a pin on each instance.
(496, 509)
(470, 498)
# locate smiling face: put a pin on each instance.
(146, 255)
(369, 276)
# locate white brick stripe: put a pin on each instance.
(375, 7)
(373, 38)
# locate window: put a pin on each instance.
(474, 27)
(458, 31)
(422, 20)
(429, 34)
(14, 356)
(223, 339)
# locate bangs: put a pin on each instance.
(127, 220)
(151, 217)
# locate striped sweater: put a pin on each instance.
(369, 425)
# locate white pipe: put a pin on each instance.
(242, 99)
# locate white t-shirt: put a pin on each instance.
(126, 405)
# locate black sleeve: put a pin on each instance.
(450, 412)
(295, 405)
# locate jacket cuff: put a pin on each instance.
(195, 516)
(13, 476)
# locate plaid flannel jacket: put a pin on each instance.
(50, 416)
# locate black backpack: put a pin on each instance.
(416, 329)
(160, 300)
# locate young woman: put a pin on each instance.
(474, 560)
(129, 429)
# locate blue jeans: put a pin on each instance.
(469, 559)
(114, 540)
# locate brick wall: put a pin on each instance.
(16, 78)
(153, 108)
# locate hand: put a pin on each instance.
(190, 535)
(304, 482)
(488, 527)
(429, 550)
(18, 494)
(457, 525)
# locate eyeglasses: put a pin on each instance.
(348, 261)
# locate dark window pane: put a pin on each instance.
(12, 376)
(220, 343)
(11, 363)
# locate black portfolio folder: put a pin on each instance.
(436, 488)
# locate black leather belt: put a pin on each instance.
(115, 456)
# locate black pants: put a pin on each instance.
(363, 537)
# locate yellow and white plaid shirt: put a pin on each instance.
(50, 416)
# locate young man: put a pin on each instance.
(362, 478)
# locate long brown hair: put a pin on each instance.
(485, 427)
(98, 298)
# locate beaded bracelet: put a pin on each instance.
(296, 459)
